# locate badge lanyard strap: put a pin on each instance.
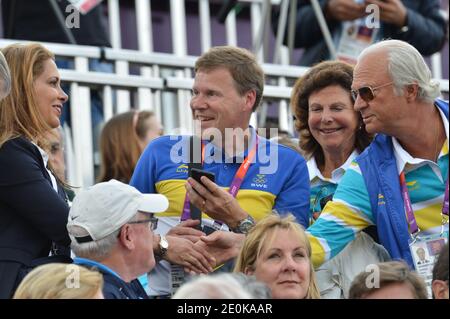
(235, 184)
(445, 206)
(412, 223)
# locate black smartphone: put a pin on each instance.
(196, 174)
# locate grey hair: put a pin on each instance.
(218, 286)
(5, 77)
(97, 249)
(257, 289)
(407, 66)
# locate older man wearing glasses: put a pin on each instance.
(400, 182)
(111, 227)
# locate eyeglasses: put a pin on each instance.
(367, 93)
(153, 222)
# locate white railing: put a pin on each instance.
(164, 80)
(162, 86)
(82, 81)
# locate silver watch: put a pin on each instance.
(163, 246)
(244, 225)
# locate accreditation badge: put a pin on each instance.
(425, 251)
(355, 37)
(177, 276)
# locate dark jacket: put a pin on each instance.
(426, 29)
(113, 286)
(32, 215)
(379, 169)
(36, 21)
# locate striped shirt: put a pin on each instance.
(321, 186)
(350, 211)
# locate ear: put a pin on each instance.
(250, 98)
(411, 92)
(127, 237)
(440, 289)
(249, 270)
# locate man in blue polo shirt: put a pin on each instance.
(252, 174)
(111, 227)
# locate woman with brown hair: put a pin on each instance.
(332, 134)
(33, 207)
(331, 131)
(388, 280)
(123, 139)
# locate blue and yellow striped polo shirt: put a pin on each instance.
(277, 179)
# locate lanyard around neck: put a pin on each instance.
(235, 183)
(412, 223)
(445, 206)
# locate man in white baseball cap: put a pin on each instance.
(111, 227)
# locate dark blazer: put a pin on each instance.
(36, 21)
(427, 29)
(113, 286)
(33, 216)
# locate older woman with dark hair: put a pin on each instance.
(332, 134)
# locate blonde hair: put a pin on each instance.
(19, 113)
(52, 281)
(5, 77)
(262, 233)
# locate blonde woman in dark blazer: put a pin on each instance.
(33, 209)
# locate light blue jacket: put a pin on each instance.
(379, 169)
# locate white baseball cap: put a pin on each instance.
(105, 207)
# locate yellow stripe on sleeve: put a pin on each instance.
(345, 216)
(317, 251)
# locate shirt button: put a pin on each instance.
(225, 167)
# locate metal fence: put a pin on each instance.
(160, 82)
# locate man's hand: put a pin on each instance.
(182, 252)
(391, 11)
(215, 201)
(222, 245)
(344, 10)
(185, 230)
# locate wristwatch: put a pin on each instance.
(163, 246)
(244, 225)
